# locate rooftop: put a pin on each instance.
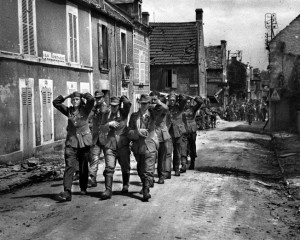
(213, 56)
(173, 43)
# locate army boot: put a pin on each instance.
(108, 188)
(125, 177)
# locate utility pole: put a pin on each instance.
(270, 25)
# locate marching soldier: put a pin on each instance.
(142, 132)
(98, 137)
(177, 129)
(78, 141)
(164, 156)
(114, 126)
(250, 112)
(190, 114)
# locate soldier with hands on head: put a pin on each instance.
(160, 110)
(98, 136)
(177, 128)
(78, 141)
(191, 134)
(115, 129)
(142, 132)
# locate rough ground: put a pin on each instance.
(235, 193)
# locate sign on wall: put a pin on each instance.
(275, 96)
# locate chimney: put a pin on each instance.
(145, 18)
(223, 42)
(199, 14)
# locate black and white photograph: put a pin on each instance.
(150, 119)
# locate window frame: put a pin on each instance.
(21, 35)
(72, 9)
(168, 82)
(142, 56)
(101, 50)
(123, 31)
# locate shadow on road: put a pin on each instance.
(272, 178)
(255, 128)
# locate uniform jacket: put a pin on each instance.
(78, 131)
(96, 120)
(116, 137)
(175, 119)
(190, 115)
(160, 112)
(140, 143)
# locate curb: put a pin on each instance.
(274, 140)
(25, 180)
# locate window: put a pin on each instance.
(72, 32)
(103, 46)
(140, 13)
(123, 47)
(169, 79)
(142, 67)
(28, 27)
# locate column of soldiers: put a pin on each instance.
(162, 131)
(249, 111)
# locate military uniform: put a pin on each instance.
(250, 111)
(176, 130)
(145, 148)
(116, 144)
(98, 138)
(164, 158)
(191, 134)
(78, 141)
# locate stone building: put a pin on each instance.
(285, 77)
(48, 48)
(216, 70)
(177, 57)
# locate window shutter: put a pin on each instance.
(100, 46)
(142, 67)
(105, 46)
(75, 38)
(174, 78)
(47, 119)
(30, 26)
(71, 38)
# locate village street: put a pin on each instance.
(235, 193)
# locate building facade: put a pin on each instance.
(216, 70)
(177, 57)
(285, 77)
(50, 48)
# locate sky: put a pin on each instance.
(240, 22)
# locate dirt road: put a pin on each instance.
(235, 193)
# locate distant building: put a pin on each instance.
(216, 69)
(285, 77)
(238, 77)
(177, 57)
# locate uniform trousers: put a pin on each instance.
(176, 152)
(183, 149)
(95, 158)
(73, 156)
(146, 166)
(111, 156)
(164, 159)
(191, 137)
